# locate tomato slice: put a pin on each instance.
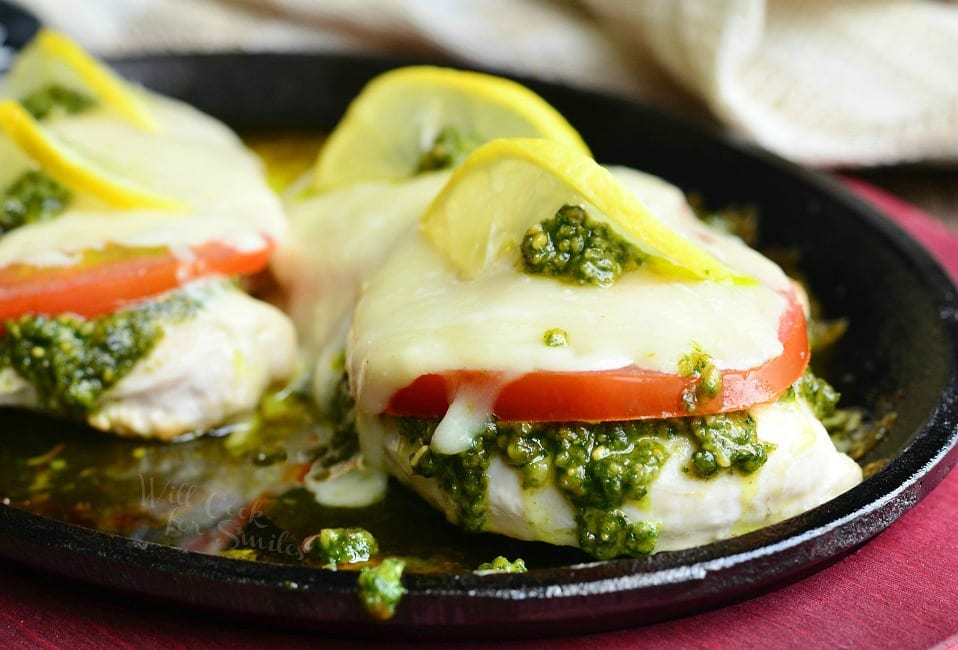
(105, 280)
(629, 393)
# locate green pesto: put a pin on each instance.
(340, 414)
(56, 100)
(607, 534)
(380, 588)
(599, 467)
(821, 397)
(335, 546)
(699, 364)
(449, 149)
(340, 410)
(502, 565)
(727, 440)
(573, 247)
(556, 338)
(72, 361)
(853, 430)
(463, 477)
(31, 198)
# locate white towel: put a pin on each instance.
(824, 82)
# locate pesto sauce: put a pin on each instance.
(502, 565)
(728, 440)
(463, 477)
(821, 397)
(852, 430)
(380, 588)
(56, 100)
(31, 198)
(599, 467)
(335, 546)
(573, 247)
(556, 338)
(449, 149)
(340, 414)
(72, 361)
(708, 378)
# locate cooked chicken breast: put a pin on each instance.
(802, 472)
(206, 369)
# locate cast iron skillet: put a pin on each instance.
(901, 345)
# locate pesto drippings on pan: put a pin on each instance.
(336, 546)
(71, 361)
(449, 149)
(818, 393)
(380, 588)
(598, 467)
(56, 100)
(573, 247)
(31, 198)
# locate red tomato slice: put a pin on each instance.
(107, 279)
(629, 393)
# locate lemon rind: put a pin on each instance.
(668, 251)
(423, 80)
(70, 169)
(107, 85)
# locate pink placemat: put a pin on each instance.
(898, 591)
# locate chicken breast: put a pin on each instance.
(803, 471)
(611, 485)
(206, 369)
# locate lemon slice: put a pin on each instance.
(69, 168)
(52, 58)
(509, 185)
(401, 115)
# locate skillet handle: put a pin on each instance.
(17, 27)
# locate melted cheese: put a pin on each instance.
(336, 240)
(417, 316)
(192, 158)
(356, 488)
(462, 423)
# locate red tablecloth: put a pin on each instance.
(898, 591)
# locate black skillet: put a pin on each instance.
(900, 347)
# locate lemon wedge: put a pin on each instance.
(402, 115)
(69, 168)
(52, 58)
(508, 185)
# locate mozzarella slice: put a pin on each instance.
(192, 158)
(417, 316)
